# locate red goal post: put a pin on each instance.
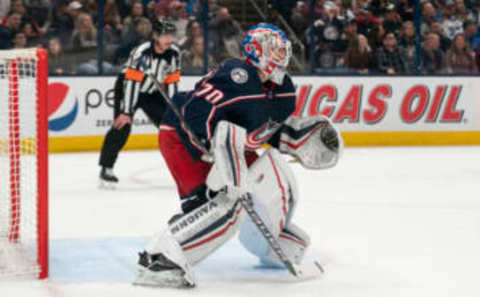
(23, 163)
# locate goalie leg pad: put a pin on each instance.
(274, 187)
(203, 230)
(274, 194)
(230, 167)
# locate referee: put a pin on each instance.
(133, 89)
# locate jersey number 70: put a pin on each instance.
(209, 93)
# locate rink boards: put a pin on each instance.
(370, 111)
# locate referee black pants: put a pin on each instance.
(154, 107)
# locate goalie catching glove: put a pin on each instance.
(313, 141)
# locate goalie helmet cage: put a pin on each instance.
(23, 164)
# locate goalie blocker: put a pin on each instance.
(194, 235)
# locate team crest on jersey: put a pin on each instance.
(239, 75)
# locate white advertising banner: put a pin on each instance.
(392, 103)
(82, 106)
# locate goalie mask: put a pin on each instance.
(267, 48)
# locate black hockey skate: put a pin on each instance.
(108, 180)
(159, 271)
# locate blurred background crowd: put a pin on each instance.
(409, 37)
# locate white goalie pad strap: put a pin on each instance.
(230, 168)
(203, 230)
(305, 139)
(274, 196)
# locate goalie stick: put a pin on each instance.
(301, 271)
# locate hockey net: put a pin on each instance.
(23, 164)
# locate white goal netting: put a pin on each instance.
(20, 197)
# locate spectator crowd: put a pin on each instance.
(347, 36)
(70, 31)
(380, 36)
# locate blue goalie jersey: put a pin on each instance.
(233, 93)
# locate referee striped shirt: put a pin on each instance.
(143, 59)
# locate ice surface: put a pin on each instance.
(385, 222)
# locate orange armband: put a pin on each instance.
(172, 78)
(135, 75)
